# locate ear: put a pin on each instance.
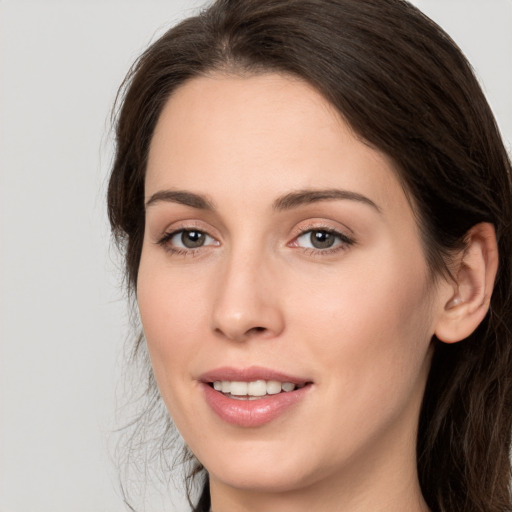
(471, 291)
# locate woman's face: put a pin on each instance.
(280, 248)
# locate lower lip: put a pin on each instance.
(252, 413)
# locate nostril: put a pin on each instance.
(256, 329)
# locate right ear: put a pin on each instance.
(474, 281)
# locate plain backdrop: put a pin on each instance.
(63, 317)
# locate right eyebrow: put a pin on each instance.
(181, 197)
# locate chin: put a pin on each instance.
(262, 469)
(262, 479)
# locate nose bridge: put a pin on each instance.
(247, 303)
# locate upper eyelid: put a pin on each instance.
(323, 225)
(299, 229)
(342, 236)
(186, 225)
(172, 234)
(169, 233)
(344, 233)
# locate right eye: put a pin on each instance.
(187, 240)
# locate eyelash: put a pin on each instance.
(167, 237)
(344, 241)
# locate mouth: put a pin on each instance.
(255, 389)
(253, 396)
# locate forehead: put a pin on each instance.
(262, 133)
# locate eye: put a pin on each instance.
(187, 239)
(322, 239)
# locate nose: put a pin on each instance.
(247, 301)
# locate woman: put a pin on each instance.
(315, 204)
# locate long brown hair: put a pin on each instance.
(406, 89)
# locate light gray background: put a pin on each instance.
(63, 320)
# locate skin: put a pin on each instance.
(356, 319)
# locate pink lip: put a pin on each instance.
(249, 374)
(251, 413)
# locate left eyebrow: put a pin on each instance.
(301, 197)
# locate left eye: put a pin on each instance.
(190, 239)
(321, 239)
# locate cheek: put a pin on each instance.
(368, 340)
(371, 326)
(170, 311)
(169, 300)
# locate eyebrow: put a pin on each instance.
(301, 197)
(181, 197)
(285, 202)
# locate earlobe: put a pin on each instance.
(474, 275)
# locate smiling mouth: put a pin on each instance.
(253, 390)
(254, 396)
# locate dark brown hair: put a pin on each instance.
(406, 89)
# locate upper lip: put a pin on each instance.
(250, 374)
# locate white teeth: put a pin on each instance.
(239, 388)
(254, 388)
(288, 386)
(257, 388)
(273, 387)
